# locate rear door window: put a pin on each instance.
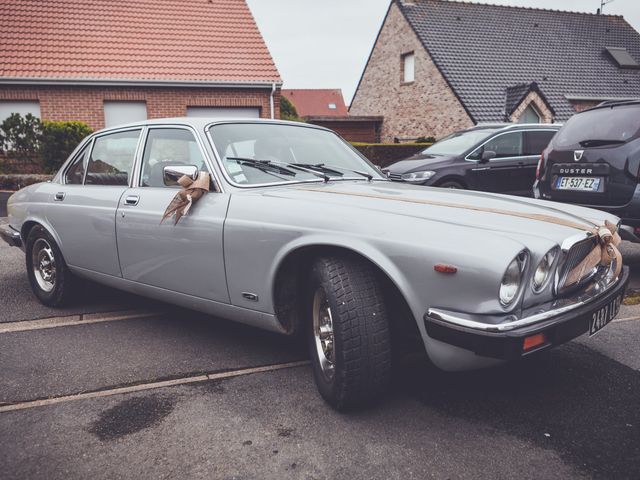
(112, 158)
(75, 172)
(600, 127)
(537, 141)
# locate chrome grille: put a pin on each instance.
(572, 258)
(396, 177)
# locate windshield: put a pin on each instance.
(601, 127)
(458, 143)
(259, 153)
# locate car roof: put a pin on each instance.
(199, 123)
(515, 126)
(613, 103)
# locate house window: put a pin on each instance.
(23, 108)
(332, 106)
(117, 113)
(530, 115)
(408, 61)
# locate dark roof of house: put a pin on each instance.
(317, 102)
(483, 50)
(142, 40)
(515, 94)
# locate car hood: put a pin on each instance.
(418, 163)
(499, 214)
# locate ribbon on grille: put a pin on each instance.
(604, 253)
(192, 191)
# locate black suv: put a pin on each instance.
(594, 160)
(493, 158)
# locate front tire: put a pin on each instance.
(348, 335)
(48, 273)
(452, 184)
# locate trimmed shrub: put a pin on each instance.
(20, 136)
(384, 154)
(58, 141)
(288, 110)
(16, 182)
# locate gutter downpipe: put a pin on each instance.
(273, 91)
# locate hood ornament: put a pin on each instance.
(577, 155)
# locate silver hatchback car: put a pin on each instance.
(299, 234)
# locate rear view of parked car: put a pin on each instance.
(499, 158)
(595, 161)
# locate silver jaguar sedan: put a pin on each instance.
(293, 231)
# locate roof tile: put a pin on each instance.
(180, 40)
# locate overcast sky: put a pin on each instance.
(326, 43)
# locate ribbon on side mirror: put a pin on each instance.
(192, 191)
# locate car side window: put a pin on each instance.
(536, 142)
(112, 158)
(505, 146)
(75, 172)
(165, 147)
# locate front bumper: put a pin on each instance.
(11, 236)
(505, 340)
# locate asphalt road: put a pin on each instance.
(573, 414)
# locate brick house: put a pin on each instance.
(326, 107)
(438, 66)
(109, 62)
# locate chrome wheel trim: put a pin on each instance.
(44, 265)
(323, 333)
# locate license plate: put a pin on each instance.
(604, 315)
(589, 184)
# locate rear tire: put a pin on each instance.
(452, 184)
(348, 333)
(49, 276)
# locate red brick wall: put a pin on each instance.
(86, 103)
(580, 105)
(365, 131)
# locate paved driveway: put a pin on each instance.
(159, 392)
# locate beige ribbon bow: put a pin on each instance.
(604, 253)
(191, 192)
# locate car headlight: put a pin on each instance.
(417, 177)
(543, 271)
(512, 279)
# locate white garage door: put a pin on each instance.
(218, 112)
(117, 113)
(7, 108)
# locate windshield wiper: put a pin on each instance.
(280, 167)
(264, 165)
(319, 167)
(330, 168)
(600, 143)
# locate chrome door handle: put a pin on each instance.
(59, 196)
(132, 200)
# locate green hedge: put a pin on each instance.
(58, 141)
(16, 182)
(384, 154)
(50, 142)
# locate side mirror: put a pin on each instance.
(487, 155)
(172, 173)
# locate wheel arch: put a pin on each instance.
(289, 283)
(452, 178)
(28, 225)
